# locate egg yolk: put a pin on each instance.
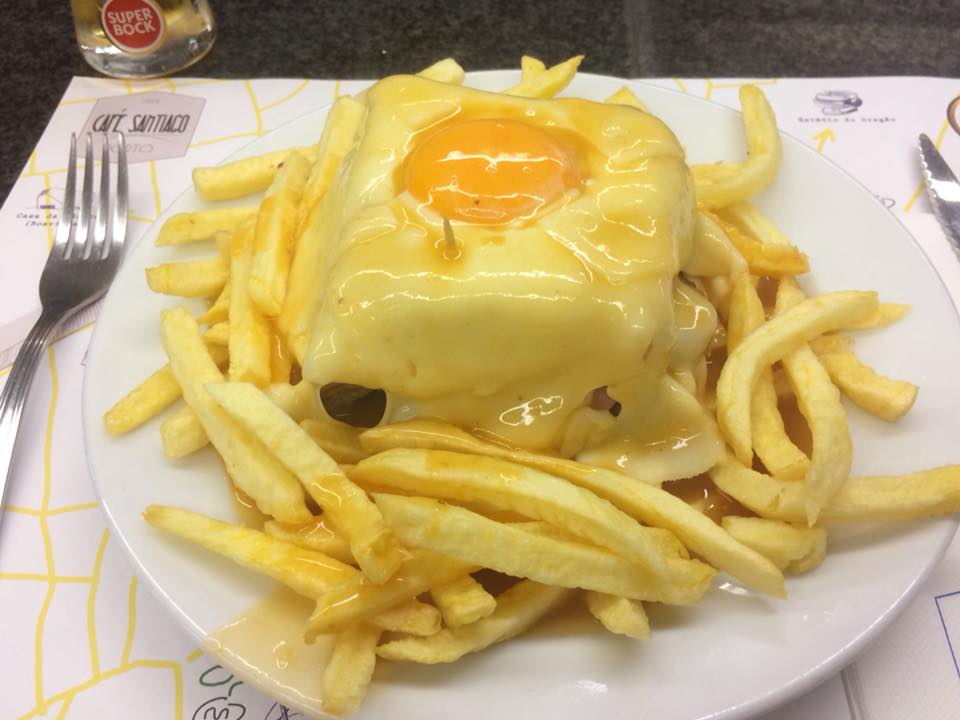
(490, 170)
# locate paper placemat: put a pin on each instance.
(84, 640)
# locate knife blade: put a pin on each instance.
(943, 189)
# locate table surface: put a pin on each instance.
(630, 38)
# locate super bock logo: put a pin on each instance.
(156, 126)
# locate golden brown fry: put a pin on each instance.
(249, 329)
(549, 82)
(281, 361)
(764, 258)
(339, 440)
(768, 344)
(410, 616)
(894, 497)
(182, 434)
(219, 311)
(197, 278)
(315, 535)
(254, 470)
(273, 237)
(722, 184)
(346, 505)
(463, 601)
(350, 669)
(646, 503)
(218, 335)
(150, 398)
(819, 402)
(358, 599)
(885, 314)
(447, 71)
(619, 615)
(473, 539)
(507, 486)
(518, 608)
(242, 177)
(792, 548)
(885, 398)
(530, 67)
(202, 225)
(306, 572)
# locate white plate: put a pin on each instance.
(731, 656)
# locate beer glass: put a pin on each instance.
(143, 38)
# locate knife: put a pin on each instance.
(944, 191)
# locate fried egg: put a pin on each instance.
(492, 261)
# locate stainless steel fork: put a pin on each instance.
(82, 263)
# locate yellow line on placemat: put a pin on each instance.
(256, 106)
(45, 578)
(65, 708)
(131, 621)
(92, 605)
(157, 206)
(194, 655)
(919, 189)
(45, 530)
(293, 93)
(336, 89)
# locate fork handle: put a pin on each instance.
(13, 397)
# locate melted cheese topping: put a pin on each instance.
(565, 282)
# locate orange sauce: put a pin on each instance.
(704, 495)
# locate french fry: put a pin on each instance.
(713, 254)
(884, 314)
(346, 505)
(447, 71)
(881, 396)
(339, 440)
(793, 549)
(273, 237)
(198, 278)
(819, 402)
(281, 361)
(306, 572)
(249, 329)
(255, 471)
(475, 540)
(202, 225)
(549, 82)
(771, 342)
(410, 616)
(182, 434)
(770, 440)
(646, 503)
(223, 240)
(218, 335)
(892, 497)
(315, 534)
(619, 615)
(219, 311)
(462, 601)
(242, 177)
(150, 398)
(764, 258)
(530, 67)
(507, 486)
(723, 184)
(299, 401)
(625, 96)
(518, 608)
(358, 599)
(350, 669)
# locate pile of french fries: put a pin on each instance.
(386, 528)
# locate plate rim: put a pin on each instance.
(823, 670)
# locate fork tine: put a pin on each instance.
(83, 236)
(100, 246)
(119, 232)
(65, 224)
